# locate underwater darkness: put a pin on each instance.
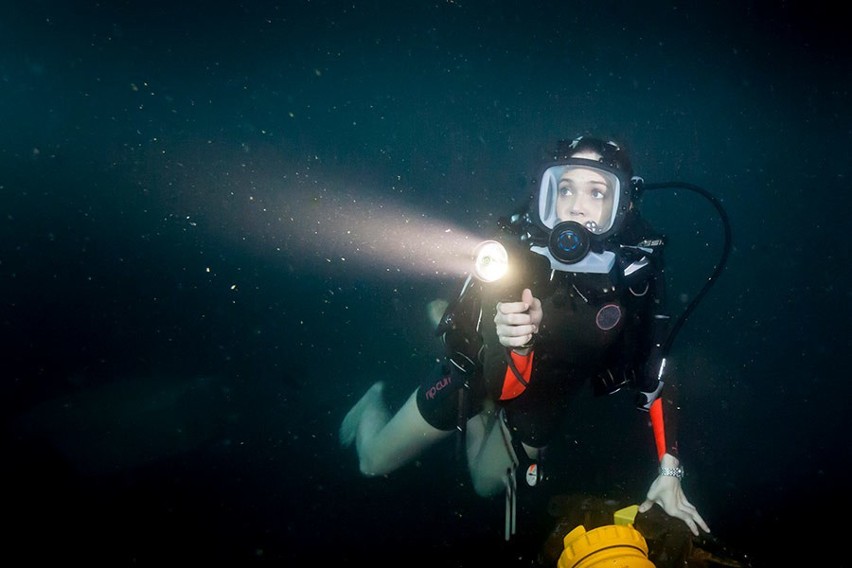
(211, 219)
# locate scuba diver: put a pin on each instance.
(581, 303)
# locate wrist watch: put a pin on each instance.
(672, 471)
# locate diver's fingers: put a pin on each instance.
(515, 335)
(701, 523)
(512, 307)
(691, 517)
(515, 330)
(687, 506)
(513, 319)
(678, 511)
(690, 509)
(535, 310)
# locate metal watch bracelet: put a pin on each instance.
(672, 471)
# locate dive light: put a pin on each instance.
(491, 261)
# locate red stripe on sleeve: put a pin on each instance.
(658, 426)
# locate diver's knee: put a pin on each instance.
(370, 467)
(367, 470)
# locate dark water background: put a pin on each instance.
(185, 318)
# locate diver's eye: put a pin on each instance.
(598, 194)
(565, 190)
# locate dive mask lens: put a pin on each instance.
(580, 191)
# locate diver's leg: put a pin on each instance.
(372, 401)
(490, 456)
(385, 443)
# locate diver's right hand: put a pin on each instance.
(517, 322)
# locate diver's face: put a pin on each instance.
(585, 197)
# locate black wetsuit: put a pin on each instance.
(597, 328)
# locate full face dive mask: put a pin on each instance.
(580, 204)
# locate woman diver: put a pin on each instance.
(580, 305)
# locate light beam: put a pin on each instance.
(359, 231)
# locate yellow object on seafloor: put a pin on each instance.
(606, 546)
(625, 516)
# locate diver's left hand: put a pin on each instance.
(666, 492)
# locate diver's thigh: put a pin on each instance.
(405, 436)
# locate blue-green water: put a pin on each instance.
(211, 219)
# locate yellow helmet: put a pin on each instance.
(610, 546)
